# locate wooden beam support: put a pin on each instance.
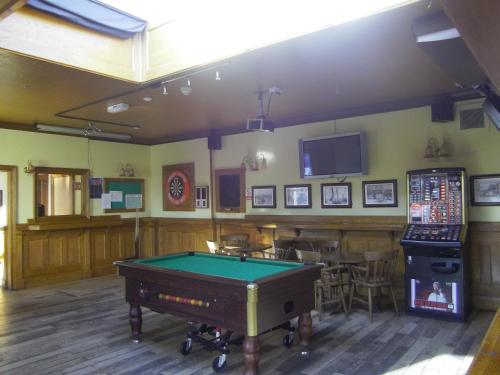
(477, 22)
(10, 6)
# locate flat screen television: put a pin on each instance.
(333, 156)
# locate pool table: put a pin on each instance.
(246, 295)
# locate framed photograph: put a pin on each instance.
(298, 196)
(485, 190)
(178, 187)
(202, 197)
(382, 193)
(336, 195)
(264, 196)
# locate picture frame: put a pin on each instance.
(382, 193)
(298, 196)
(485, 190)
(178, 187)
(202, 197)
(264, 196)
(336, 195)
(230, 190)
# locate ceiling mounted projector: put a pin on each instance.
(260, 125)
(117, 108)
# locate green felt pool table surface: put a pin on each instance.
(221, 265)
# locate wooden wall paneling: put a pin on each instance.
(65, 249)
(181, 235)
(18, 263)
(245, 227)
(50, 257)
(148, 239)
(99, 250)
(35, 254)
(90, 249)
(485, 266)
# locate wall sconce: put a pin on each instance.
(435, 150)
(29, 169)
(254, 163)
(127, 171)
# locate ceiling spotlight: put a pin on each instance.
(116, 108)
(186, 90)
(217, 75)
(164, 89)
(147, 99)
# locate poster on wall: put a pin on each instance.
(178, 187)
(95, 187)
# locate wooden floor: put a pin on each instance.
(82, 328)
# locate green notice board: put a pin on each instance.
(120, 188)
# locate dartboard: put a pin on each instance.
(178, 188)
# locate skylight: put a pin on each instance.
(290, 18)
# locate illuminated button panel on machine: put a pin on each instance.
(437, 233)
(435, 198)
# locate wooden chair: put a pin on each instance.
(236, 240)
(283, 249)
(328, 289)
(213, 247)
(375, 273)
(308, 256)
(327, 248)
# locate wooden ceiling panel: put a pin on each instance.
(361, 64)
(478, 22)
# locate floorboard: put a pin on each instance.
(82, 328)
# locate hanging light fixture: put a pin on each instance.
(164, 89)
(217, 76)
(187, 89)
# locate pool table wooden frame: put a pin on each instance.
(246, 307)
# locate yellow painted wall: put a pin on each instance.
(17, 147)
(3, 208)
(178, 153)
(396, 144)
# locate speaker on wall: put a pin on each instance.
(214, 142)
(443, 111)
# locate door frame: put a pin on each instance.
(11, 224)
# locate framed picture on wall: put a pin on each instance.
(230, 190)
(336, 195)
(298, 196)
(264, 196)
(178, 187)
(383, 193)
(485, 190)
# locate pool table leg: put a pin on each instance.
(135, 318)
(251, 350)
(305, 331)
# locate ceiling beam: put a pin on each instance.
(7, 7)
(477, 22)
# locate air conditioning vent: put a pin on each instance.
(471, 118)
